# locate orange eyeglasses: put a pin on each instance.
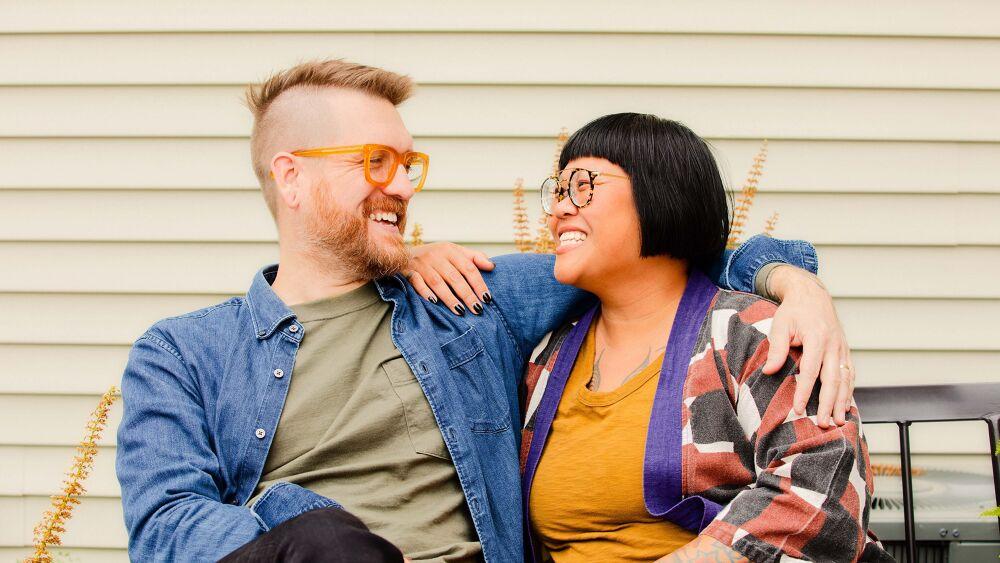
(381, 162)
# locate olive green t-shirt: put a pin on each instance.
(357, 428)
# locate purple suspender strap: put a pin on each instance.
(662, 471)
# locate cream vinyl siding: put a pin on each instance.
(126, 193)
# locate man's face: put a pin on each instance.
(342, 214)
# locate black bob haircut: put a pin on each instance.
(678, 191)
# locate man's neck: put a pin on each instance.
(644, 305)
(305, 276)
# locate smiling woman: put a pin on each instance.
(660, 388)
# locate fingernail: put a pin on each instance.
(477, 309)
(487, 298)
(433, 299)
(460, 309)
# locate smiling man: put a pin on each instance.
(332, 413)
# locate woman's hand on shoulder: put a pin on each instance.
(808, 318)
(444, 272)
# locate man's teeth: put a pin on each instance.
(573, 236)
(381, 216)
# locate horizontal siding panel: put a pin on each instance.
(59, 421)
(896, 17)
(96, 522)
(226, 268)
(64, 369)
(518, 111)
(535, 58)
(883, 324)
(471, 163)
(40, 471)
(479, 217)
(43, 369)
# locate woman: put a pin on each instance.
(650, 429)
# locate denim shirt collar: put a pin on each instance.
(267, 310)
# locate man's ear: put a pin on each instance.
(288, 179)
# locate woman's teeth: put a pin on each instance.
(384, 217)
(575, 237)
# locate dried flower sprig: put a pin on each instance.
(743, 204)
(416, 236)
(772, 222)
(522, 232)
(53, 524)
(560, 143)
(544, 244)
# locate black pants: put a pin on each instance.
(326, 534)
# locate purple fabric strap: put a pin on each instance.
(662, 471)
(568, 352)
(662, 466)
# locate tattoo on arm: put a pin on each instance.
(704, 549)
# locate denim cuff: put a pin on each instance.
(283, 501)
(760, 250)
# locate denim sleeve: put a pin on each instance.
(170, 476)
(283, 501)
(530, 299)
(736, 269)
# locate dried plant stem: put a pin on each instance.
(522, 232)
(416, 235)
(53, 524)
(772, 222)
(560, 143)
(745, 201)
(544, 244)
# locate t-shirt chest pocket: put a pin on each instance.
(420, 424)
(477, 380)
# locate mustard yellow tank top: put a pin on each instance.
(586, 499)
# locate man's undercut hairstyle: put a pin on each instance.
(336, 73)
(678, 191)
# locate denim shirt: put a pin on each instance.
(203, 394)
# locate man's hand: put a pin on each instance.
(807, 318)
(448, 273)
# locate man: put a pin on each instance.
(333, 413)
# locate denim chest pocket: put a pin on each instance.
(477, 380)
(424, 434)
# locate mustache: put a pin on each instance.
(385, 204)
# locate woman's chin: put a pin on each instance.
(566, 272)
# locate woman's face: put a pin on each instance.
(598, 241)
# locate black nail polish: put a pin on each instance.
(460, 309)
(487, 298)
(477, 309)
(433, 299)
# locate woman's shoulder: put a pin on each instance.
(748, 309)
(738, 323)
(546, 349)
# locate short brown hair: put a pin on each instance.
(395, 88)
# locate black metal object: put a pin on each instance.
(930, 403)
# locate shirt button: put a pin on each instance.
(278, 373)
(260, 433)
(293, 328)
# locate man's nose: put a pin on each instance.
(400, 187)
